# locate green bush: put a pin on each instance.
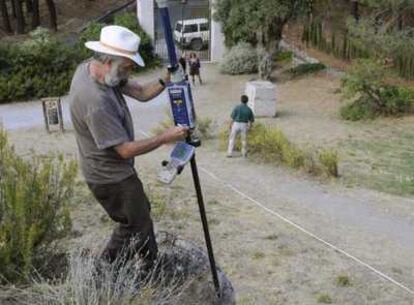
(324, 298)
(128, 20)
(204, 128)
(34, 196)
(241, 59)
(44, 66)
(90, 33)
(308, 68)
(370, 95)
(41, 66)
(357, 111)
(343, 281)
(282, 56)
(271, 145)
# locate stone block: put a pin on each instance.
(262, 98)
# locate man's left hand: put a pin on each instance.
(167, 77)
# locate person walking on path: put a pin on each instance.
(195, 66)
(183, 62)
(242, 118)
(105, 137)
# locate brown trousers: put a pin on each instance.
(126, 203)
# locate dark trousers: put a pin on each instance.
(126, 203)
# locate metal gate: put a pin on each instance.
(190, 14)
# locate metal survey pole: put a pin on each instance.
(209, 245)
(179, 77)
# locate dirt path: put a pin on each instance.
(269, 260)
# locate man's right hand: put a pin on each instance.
(175, 134)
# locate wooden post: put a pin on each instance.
(60, 115)
(45, 116)
(52, 113)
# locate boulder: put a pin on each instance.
(183, 260)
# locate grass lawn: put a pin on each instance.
(385, 164)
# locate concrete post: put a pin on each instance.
(218, 49)
(145, 14)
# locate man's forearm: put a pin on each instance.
(143, 93)
(131, 149)
(152, 90)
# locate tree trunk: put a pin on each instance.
(5, 16)
(355, 9)
(35, 14)
(274, 36)
(13, 8)
(19, 16)
(29, 6)
(52, 12)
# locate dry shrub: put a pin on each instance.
(34, 197)
(271, 145)
(91, 281)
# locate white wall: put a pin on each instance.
(218, 49)
(145, 14)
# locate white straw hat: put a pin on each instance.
(117, 40)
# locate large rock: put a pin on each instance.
(184, 260)
(262, 98)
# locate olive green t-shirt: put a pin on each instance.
(242, 114)
(101, 120)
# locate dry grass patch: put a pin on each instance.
(270, 144)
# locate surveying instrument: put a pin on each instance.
(182, 107)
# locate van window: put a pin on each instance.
(190, 28)
(178, 27)
(203, 26)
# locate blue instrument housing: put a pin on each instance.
(182, 104)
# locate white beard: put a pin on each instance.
(114, 78)
(112, 81)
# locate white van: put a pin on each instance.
(193, 33)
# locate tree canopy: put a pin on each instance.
(257, 21)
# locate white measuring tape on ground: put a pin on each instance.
(234, 189)
(376, 271)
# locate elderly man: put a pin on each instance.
(105, 137)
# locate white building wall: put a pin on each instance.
(218, 49)
(145, 14)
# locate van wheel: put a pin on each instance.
(196, 44)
